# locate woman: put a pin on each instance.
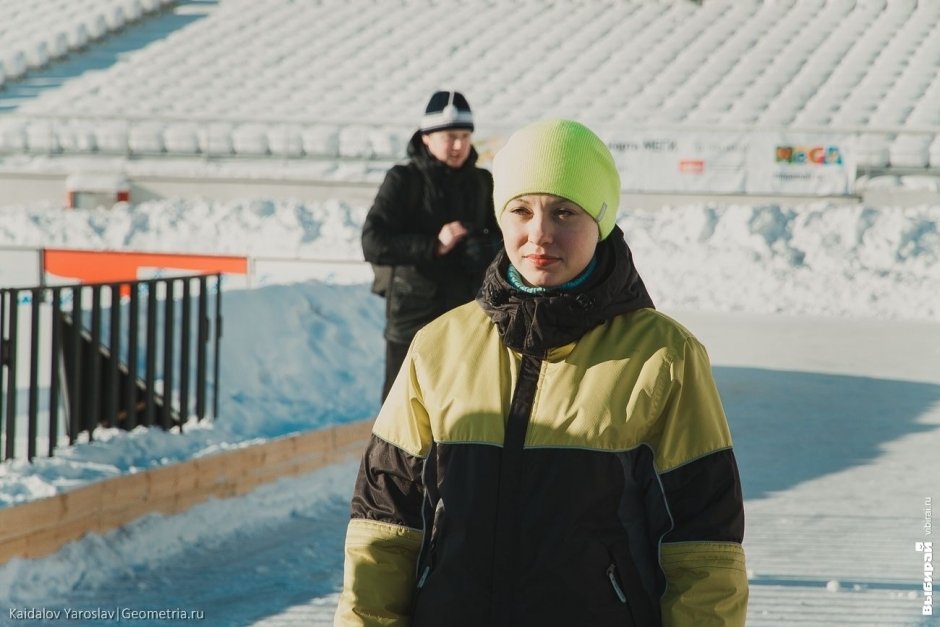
(555, 453)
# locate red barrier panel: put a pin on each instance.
(103, 266)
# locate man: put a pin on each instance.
(431, 230)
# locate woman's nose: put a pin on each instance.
(540, 230)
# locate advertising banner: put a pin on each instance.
(801, 163)
(680, 161)
(733, 162)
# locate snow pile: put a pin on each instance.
(251, 227)
(818, 258)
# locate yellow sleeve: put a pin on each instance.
(379, 574)
(706, 585)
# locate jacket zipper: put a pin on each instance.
(435, 533)
(424, 576)
(507, 531)
(612, 576)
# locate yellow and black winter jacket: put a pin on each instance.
(550, 460)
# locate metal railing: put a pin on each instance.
(122, 354)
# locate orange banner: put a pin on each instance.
(103, 266)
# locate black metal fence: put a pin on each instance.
(124, 354)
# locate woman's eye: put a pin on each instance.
(519, 210)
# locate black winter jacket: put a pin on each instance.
(414, 202)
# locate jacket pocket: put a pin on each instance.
(615, 583)
(625, 580)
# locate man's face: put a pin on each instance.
(450, 146)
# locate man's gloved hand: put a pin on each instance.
(479, 249)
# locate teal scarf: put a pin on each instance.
(515, 279)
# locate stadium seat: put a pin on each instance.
(250, 140)
(873, 151)
(112, 137)
(320, 140)
(76, 137)
(215, 140)
(910, 151)
(145, 138)
(41, 137)
(12, 136)
(285, 141)
(181, 138)
(14, 63)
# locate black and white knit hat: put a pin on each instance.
(447, 110)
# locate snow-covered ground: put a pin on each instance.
(823, 323)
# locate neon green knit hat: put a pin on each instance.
(563, 158)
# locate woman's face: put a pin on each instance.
(549, 239)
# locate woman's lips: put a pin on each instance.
(541, 261)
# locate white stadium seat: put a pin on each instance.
(873, 151)
(320, 140)
(12, 135)
(215, 139)
(145, 138)
(76, 137)
(41, 137)
(111, 137)
(285, 141)
(250, 140)
(14, 62)
(910, 151)
(934, 152)
(181, 138)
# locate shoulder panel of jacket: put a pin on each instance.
(440, 396)
(648, 377)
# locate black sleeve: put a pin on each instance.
(386, 237)
(389, 486)
(705, 500)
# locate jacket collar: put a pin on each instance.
(533, 324)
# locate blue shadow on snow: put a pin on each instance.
(791, 427)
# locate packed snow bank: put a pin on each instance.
(820, 259)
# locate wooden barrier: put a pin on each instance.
(43, 526)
